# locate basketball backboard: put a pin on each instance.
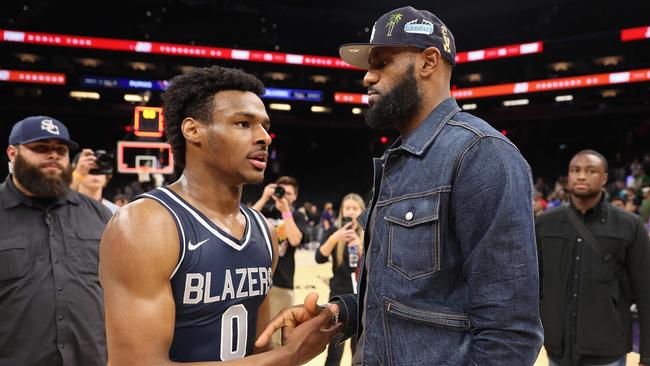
(135, 156)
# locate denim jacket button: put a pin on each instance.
(408, 216)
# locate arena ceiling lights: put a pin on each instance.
(544, 85)
(171, 49)
(500, 52)
(574, 82)
(161, 85)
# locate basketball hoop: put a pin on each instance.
(144, 173)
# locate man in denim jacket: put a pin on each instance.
(450, 273)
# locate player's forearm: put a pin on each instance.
(328, 246)
(293, 233)
(280, 357)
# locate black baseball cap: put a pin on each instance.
(403, 27)
(37, 128)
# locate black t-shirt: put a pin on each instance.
(283, 276)
(341, 283)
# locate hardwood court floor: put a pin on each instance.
(311, 276)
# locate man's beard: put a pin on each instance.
(396, 107)
(586, 195)
(38, 183)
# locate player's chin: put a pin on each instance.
(255, 177)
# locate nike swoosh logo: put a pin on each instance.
(191, 246)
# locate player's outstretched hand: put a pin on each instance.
(311, 337)
(288, 319)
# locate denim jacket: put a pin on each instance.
(452, 277)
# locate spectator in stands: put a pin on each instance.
(540, 203)
(617, 188)
(631, 206)
(556, 199)
(618, 202)
(327, 216)
(629, 195)
(312, 213)
(345, 245)
(313, 220)
(51, 302)
(645, 205)
(89, 182)
(541, 186)
(120, 200)
(645, 163)
(641, 179)
(291, 226)
(560, 183)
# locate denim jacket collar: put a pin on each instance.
(421, 138)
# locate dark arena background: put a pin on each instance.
(554, 76)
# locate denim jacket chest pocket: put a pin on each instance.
(414, 236)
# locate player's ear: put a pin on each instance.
(191, 129)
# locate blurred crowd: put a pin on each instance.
(628, 188)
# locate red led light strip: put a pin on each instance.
(634, 34)
(173, 49)
(32, 77)
(500, 52)
(575, 82)
(351, 98)
(63, 40)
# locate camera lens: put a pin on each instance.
(279, 191)
(104, 160)
(104, 163)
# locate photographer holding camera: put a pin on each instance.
(290, 225)
(51, 302)
(92, 171)
(345, 245)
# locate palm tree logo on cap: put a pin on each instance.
(392, 22)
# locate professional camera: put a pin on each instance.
(279, 192)
(104, 163)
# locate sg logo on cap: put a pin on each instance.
(49, 126)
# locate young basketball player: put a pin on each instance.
(186, 268)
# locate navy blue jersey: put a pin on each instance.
(218, 284)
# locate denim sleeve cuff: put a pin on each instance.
(347, 314)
